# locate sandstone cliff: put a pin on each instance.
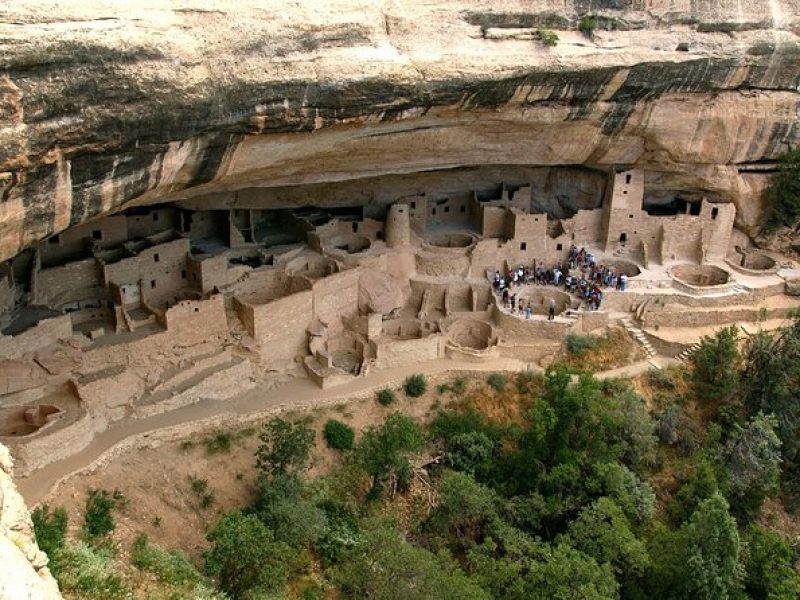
(23, 567)
(110, 102)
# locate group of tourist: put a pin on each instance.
(587, 283)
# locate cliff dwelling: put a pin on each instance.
(214, 214)
(168, 304)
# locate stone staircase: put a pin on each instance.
(687, 352)
(638, 335)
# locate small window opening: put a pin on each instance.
(413, 205)
(196, 309)
(97, 234)
(714, 212)
(623, 237)
(463, 209)
(628, 178)
(523, 246)
(694, 209)
(630, 216)
(379, 235)
(447, 209)
(152, 283)
(156, 257)
(559, 246)
(433, 210)
(183, 274)
(355, 227)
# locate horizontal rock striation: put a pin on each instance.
(110, 105)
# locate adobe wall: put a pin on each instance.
(399, 353)
(209, 273)
(161, 269)
(45, 333)
(58, 287)
(336, 297)
(106, 233)
(514, 329)
(279, 327)
(192, 321)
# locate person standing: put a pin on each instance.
(551, 315)
(528, 310)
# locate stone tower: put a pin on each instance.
(397, 229)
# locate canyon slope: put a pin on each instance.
(110, 104)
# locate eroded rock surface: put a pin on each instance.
(23, 567)
(105, 104)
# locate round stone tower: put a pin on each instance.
(397, 228)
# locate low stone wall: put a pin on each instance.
(399, 353)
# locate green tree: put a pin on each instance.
(470, 452)
(713, 549)
(752, 460)
(285, 507)
(245, 556)
(466, 511)
(771, 383)
(699, 560)
(716, 363)
(386, 567)
(635, 497)
(384, 451)
(567, 574)
(284, 447)
(769, 566)
(603, 532)
(783, 194)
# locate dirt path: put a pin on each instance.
(256, 404)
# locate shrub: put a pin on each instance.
(587, 25)
(171, 566)
(497, 381)
(87, 572)
(219, 442)
(716, 362)
(580, 343)
(415, 385)
(548, 38)
(201, 490)
(98, 520)
(528, 383)
(661, 379)
(50, 529)
(459, 386)
(338, 435)
(386, 397)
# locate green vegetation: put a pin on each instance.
(783, 195)
(284, 447)
(338, 435)
(415, 385)
(98, 519)
(578, 344)
(204, 494)
(218, 443)
(386, 397)
(547, 486)
(497, 381)
(587, 25)
(548, 38)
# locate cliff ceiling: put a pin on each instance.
(105, 104)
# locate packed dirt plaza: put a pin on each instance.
(161, 307)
